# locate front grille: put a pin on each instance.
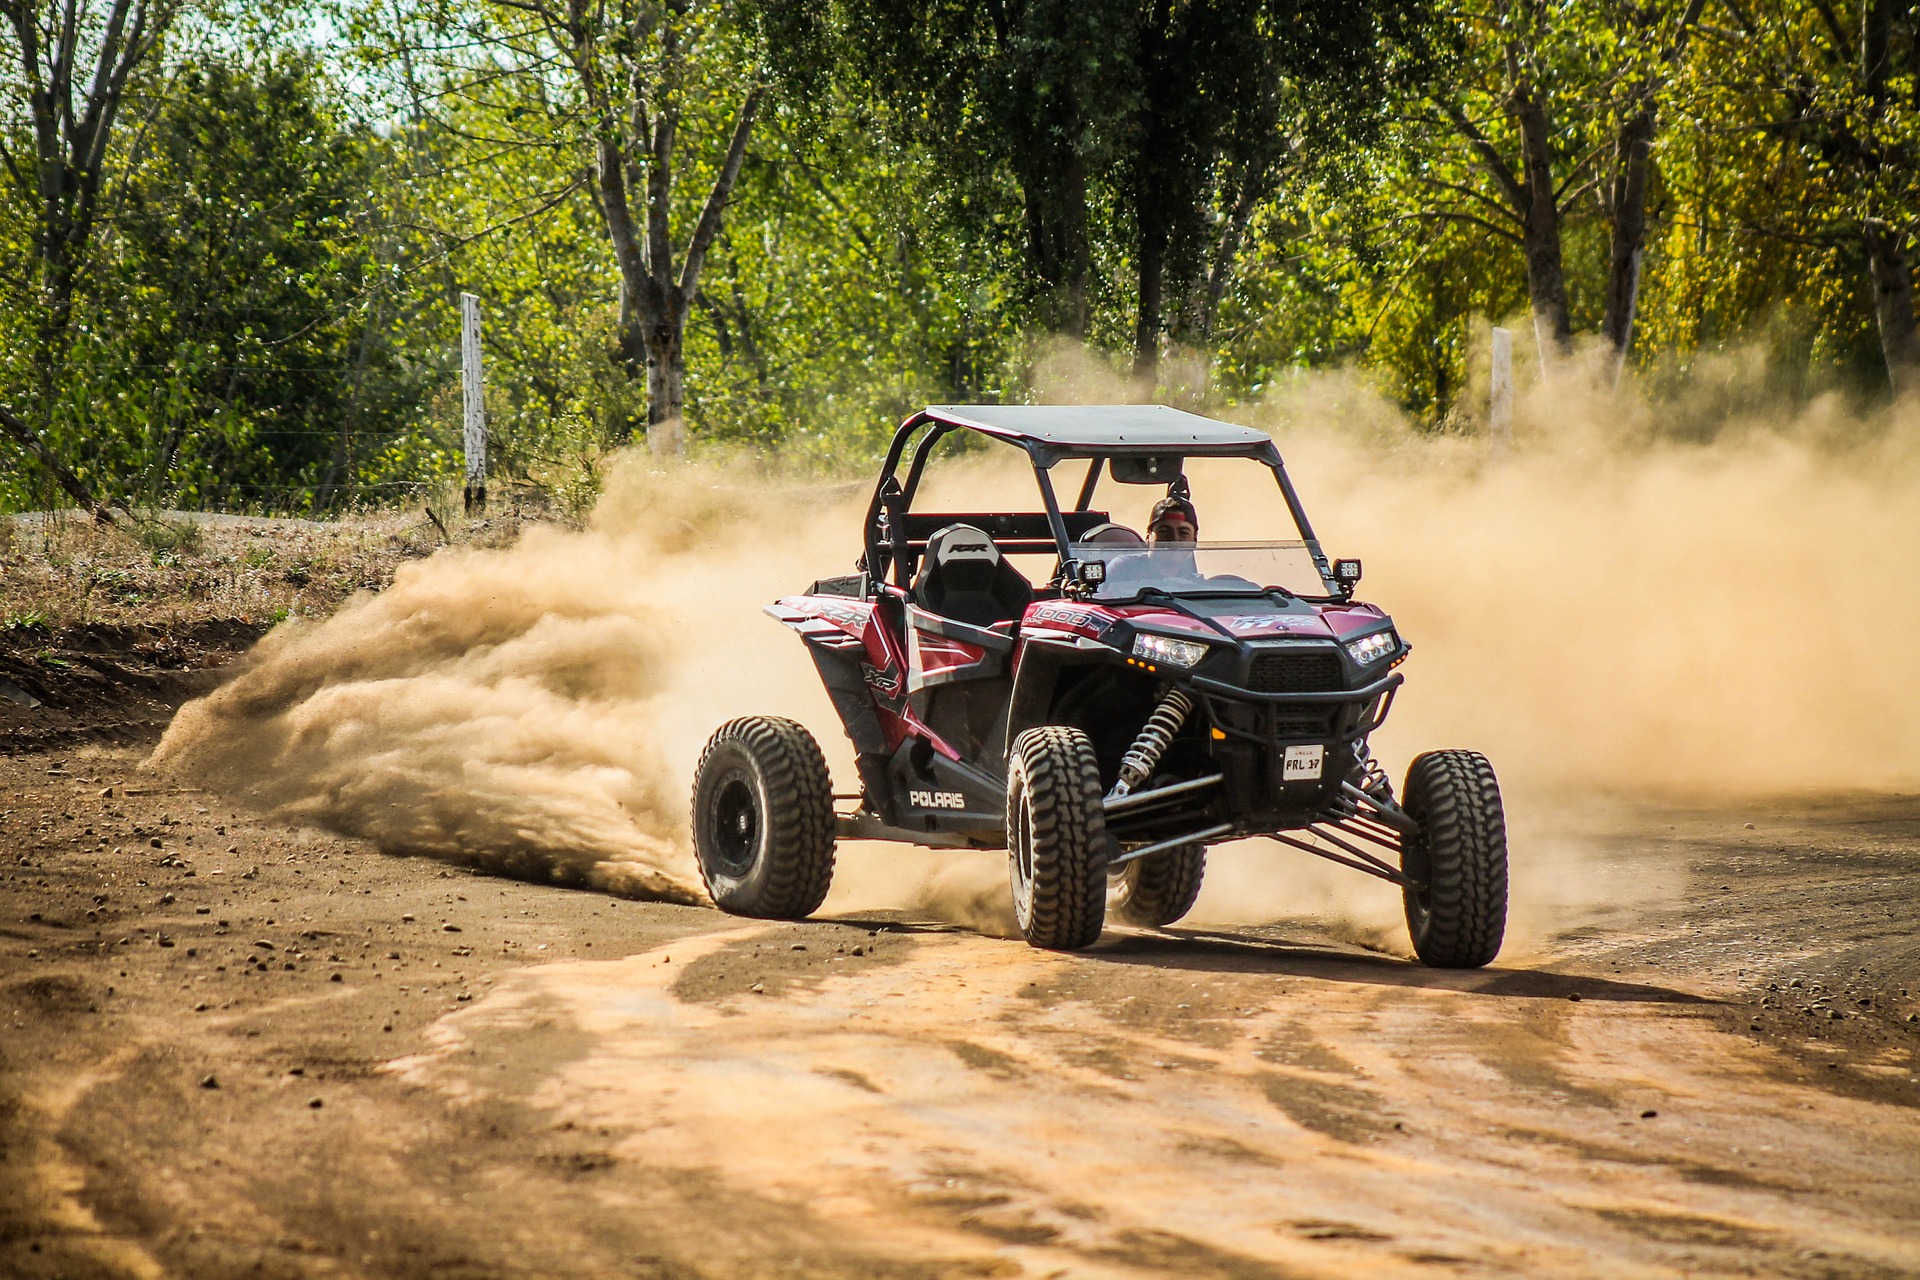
(1311, 724)
(1296, 673)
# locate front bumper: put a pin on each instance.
(1247, 734)
(1252, 731)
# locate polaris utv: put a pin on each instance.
(1105, 716)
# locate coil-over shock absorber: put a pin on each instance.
(1155, 737)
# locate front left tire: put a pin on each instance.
(763, 829)
(1057, 843)
(1456, 867)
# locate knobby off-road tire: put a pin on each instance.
(763, 819)
(1457, 903)
(1057, 844)
(1159, 889)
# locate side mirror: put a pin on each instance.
(1347, 574)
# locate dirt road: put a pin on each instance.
(229, 1048)
(233, 1048)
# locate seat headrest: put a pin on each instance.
(1112, 535)
(961, 543)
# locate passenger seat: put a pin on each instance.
(963, 576)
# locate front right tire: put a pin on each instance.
(1157, 890)
(1057, 843)
(1456, 868)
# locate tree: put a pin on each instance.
(245, 279)
(1138, 136)
(1832, 86)
(1231, 93)
(74, 59)
(1626, 193)
(1017, 102)
(1543, 96)
(619, 85)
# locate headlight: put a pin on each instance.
(1370, 649)
(1168, 651)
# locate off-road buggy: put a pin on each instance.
(1104, 723)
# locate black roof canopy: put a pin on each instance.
(1054, 431)
(1049, 433)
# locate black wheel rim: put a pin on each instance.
(735, 815)
(1415, 867)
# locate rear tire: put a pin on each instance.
(1157, 890)
(763, 819)
(1457, 866)
(1057, 843)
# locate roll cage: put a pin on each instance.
(894, 536)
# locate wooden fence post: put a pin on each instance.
(476, 405)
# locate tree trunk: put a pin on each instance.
(1058, 244)
(72, 120)
(1045, 115)
(1628, 201)
(1886, 245)
(1079, 250)
(1226, 251)
(1540, 237)
(654, 299)
(28, 441)
(1892, 277)
(666, 380)
(1152, 274)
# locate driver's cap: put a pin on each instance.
(1172, 505)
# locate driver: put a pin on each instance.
(1174, 520)
(1173, 529)
(1173, 533)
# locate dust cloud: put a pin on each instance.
(1640, 595)
(1607, 609)
(535, 710)
(1696, 596)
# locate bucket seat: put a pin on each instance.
(963, 576)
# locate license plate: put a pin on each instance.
(1302, 764)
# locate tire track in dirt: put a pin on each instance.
(1210, 1107)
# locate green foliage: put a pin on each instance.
(166, 537)
(1100, 160)
(266, 316)
(1787, 156)
(229, 346)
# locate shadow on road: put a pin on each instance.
(1207, 952)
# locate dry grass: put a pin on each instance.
(169, 571)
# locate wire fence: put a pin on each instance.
(327, 452)
(155, 442)
(211, 466)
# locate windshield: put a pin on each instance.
(1205, 568)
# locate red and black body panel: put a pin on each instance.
(932, 705)
(912, 689)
